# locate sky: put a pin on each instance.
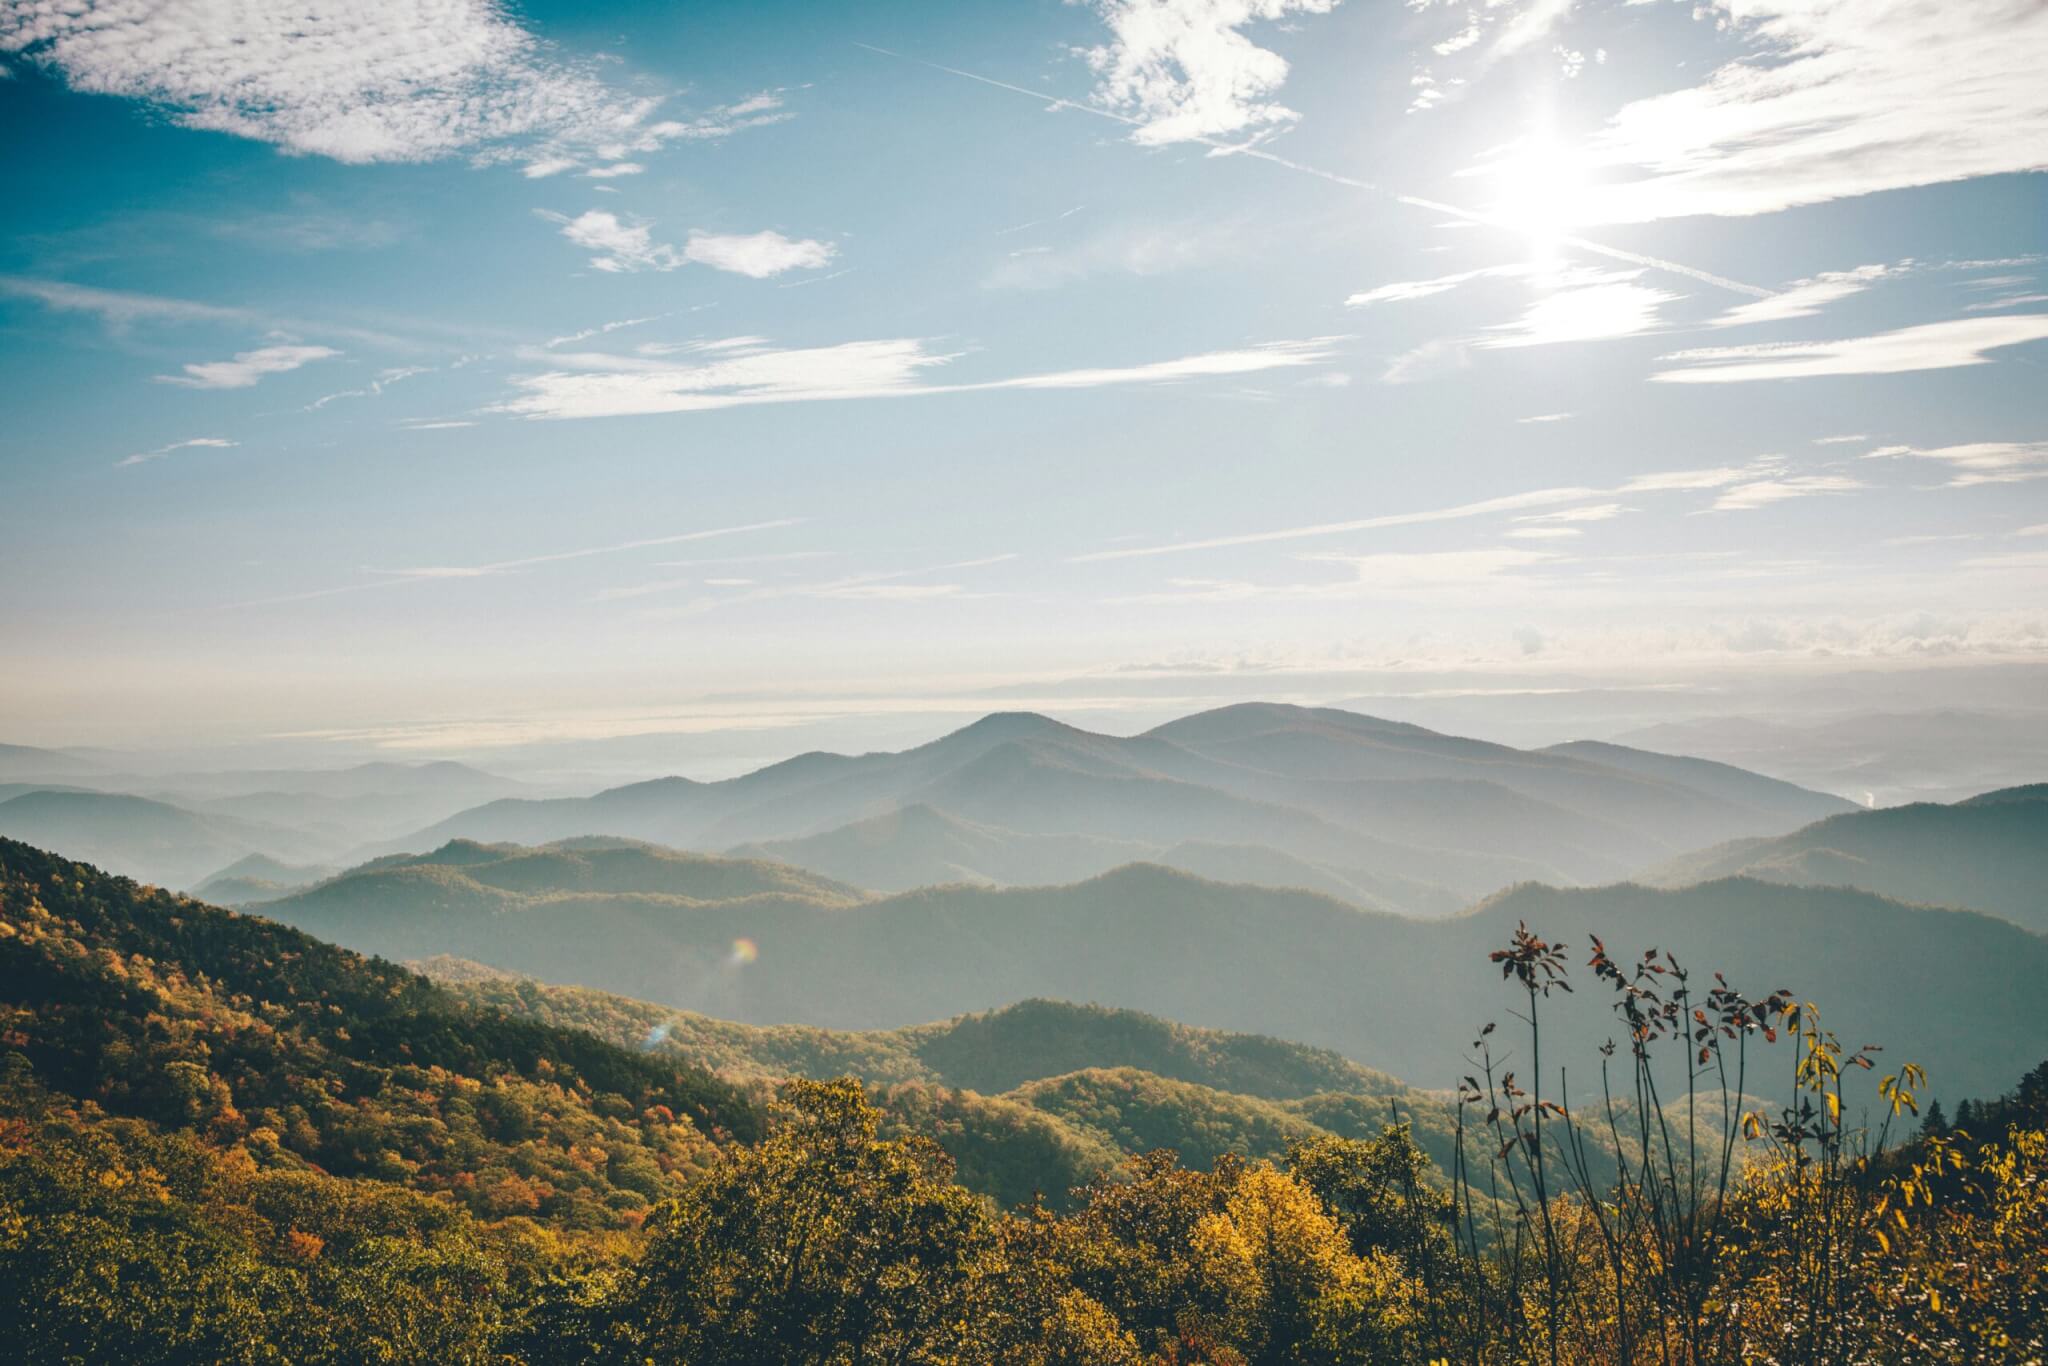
(440, 376)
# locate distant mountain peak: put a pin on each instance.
(1248, 718)
(1012, 725)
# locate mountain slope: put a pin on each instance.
(1327, 744)
(137, 1003)
(1736, 785)
(1989, 853)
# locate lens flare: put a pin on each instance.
(745, 951)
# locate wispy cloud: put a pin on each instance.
(1406, 574)
(1978, 462)
(1040, 222)
(1667, 481)
(1584, 306)
(1590, 512)
(1840, 99)
(602, 328)
(746, 370)
(391, 578)
(1132, 248)
(1401, 291)
(371, 390)
(248, 367)
(876, 586)
(1763, 492)
(1928, 346)
(403, 80)
(1534, 23)
(1438, 356)
(1512, 502)
(120, 310)
(1567, 304)
(1545, 417)
(622, 245)
(144, 457)
(1804, 298)
(1182, 70)
(652, 587)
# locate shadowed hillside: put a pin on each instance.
(1394, 992)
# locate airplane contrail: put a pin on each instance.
(1350, 182)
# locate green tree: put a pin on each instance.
(824, 1244)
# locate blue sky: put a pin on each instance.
(436, 376)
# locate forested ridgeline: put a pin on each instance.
(225, 1141)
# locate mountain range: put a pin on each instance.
(1390, 815)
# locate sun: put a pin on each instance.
(1541, 187)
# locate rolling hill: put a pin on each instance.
(1987, 853)
(1034, 1098)
(1395, 815)
(991, 1051)
(258, 878)
(1394, 992)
